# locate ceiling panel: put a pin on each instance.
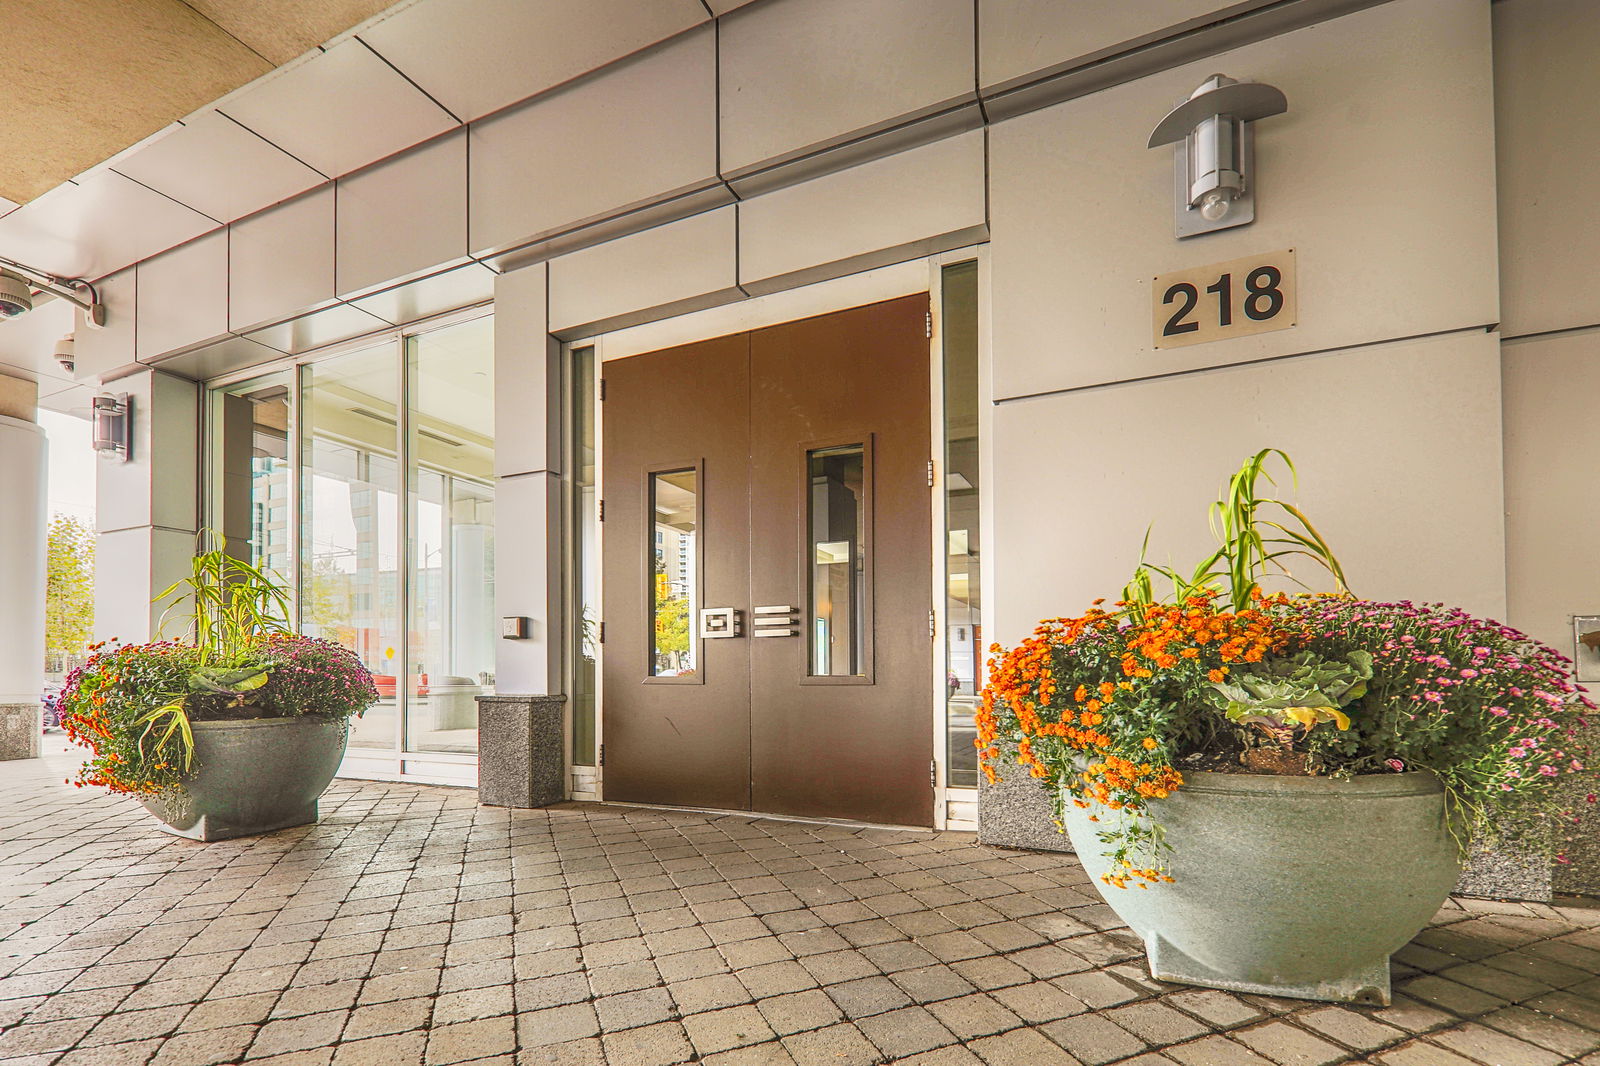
(219, 168)
(224, 357)
(432, 295)
(340, 111)
(477, 56)
(328, 326)
(86, 80)
(89, 228)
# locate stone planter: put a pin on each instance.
(254, 776)
(1287, 886)
(521, 751)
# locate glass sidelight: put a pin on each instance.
(963, 605)
(350, 564)
(837, 560)
(449, 448)
(674, 565)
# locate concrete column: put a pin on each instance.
(22, 553)
(148, 507)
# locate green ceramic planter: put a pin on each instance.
(254, 776)
(1287, 886)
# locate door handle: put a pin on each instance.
(716, 622)
(776, 621)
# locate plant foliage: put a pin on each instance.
(1107, 709)
(134, 705)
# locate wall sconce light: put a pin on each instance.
(112, 427)
(1216, 151)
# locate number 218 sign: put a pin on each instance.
(1255, 294)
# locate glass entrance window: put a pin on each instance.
(365, 482)
(350, 576)
(450, 534)
(837, 559)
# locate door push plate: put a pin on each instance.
(721, 622)
(776, 621)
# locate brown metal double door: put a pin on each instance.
(782, 473)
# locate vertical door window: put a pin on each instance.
(674, 562)
(449, 452)
(836, 557)
(963, 588)
(585, 599)
(350, 572)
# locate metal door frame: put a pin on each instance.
(885, 283)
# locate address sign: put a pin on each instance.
(1255, 294)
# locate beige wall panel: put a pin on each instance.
(145, 560)
(1552, 493)
(802, 73)
(897, 202)
(281, 261)
(477, 56)
(1021, 37)
(1547, 138)
(157, 486)
(527, 513)
(675, 264)
(524, 375)
(1377, 177)
(403, 217)
(641, 131)
(1398, 448)
(183, 297)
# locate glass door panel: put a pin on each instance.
(450, 530)
(350, 576)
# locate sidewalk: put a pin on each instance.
(413, 926)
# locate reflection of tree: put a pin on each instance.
(330, 602)
(672, 626)
(69, 588)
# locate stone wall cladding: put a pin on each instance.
(19, 731)
(521, 751)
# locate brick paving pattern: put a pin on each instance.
(414, 927)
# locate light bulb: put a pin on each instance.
(1214, 205)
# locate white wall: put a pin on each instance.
(1379, 177)
(1397, 445)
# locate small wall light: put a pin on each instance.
(113, 421)
(1216, 151)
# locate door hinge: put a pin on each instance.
(930, 473)
(600, 756)
(602, 388)
(927, 324)
(932, 631)
(600, 633)
(933, 773)
(601, 517)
